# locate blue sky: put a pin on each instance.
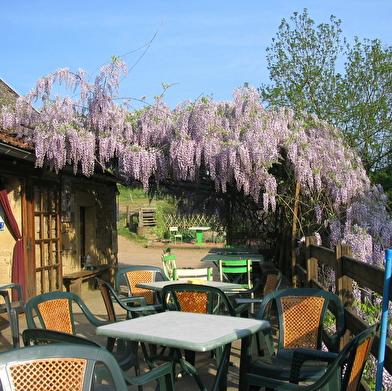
(206, 47)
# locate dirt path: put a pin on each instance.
(130, 253)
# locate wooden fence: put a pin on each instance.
(346, 270)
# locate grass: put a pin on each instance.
(133, 200)
(137, 198)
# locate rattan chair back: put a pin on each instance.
(301, 316)
(132, 275)
(193, 301)
(56, 315)
(272, 281)
(196, 298)
(57, 367)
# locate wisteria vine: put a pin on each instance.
(238, 141)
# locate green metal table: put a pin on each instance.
(199, 234)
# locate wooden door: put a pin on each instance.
(48, 268)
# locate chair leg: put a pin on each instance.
(14, 323)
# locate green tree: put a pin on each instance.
(364, 96)
(303, 61)
(302, 64)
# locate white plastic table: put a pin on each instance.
(199, 234)
(192, 331)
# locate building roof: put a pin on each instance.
(7, 94)
(9, 144)
(13, 147)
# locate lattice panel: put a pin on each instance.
(137, 276)
(56, 315)
(49, 374)
(193, 301)
(301, 317)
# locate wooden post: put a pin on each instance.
(294, 234)
(344, 284)
(311, 263)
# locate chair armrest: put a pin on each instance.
(245, 300)
(301, 355)
(242, 310)
(87, 313)
(137, 311)
(160, 373)
(265, 338)
(335, 340)
(6, 307)
(267, 382)
(141, 300)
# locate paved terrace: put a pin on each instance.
(188, 255)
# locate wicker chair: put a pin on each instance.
(44, 336)
(71, 367)
(341, 372)
(269, 281)
(198, 298)
(127, 278)
(54, 311)
(110, 298)
(300, 320)
(201, 299)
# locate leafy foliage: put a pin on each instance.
(305, 64)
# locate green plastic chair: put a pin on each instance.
(198, 298)
(128, 277)
(169, 263)
(110, 298)
(54, 311)
(300, 317)
(124, 359)
(71, 367)
(13, 309)
(268, 282)
(44, 336)
(342, 371)
(201, 299)
(235, 271)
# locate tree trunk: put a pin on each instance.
(294, 233)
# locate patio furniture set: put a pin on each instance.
(174, 319)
